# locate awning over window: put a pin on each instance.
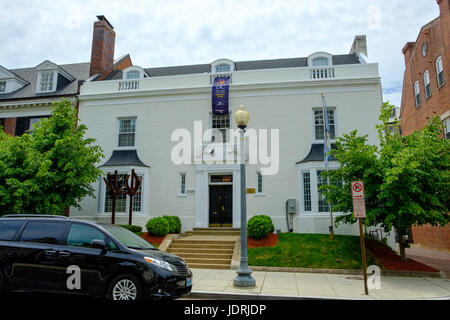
(316, 154)
(124, 158)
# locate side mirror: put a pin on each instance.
(98, 244)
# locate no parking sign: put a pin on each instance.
(359, 202)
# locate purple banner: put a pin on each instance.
(220, 95)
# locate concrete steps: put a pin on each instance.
(210, 248)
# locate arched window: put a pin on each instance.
(320, 62)
(223, 67)
(133, 74)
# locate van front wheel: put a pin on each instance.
(125, 287)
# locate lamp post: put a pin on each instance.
(243, 278)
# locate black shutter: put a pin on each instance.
(2, 123)
(22, 125)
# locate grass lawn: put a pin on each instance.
(311, 251)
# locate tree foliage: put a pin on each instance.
(50, 168)
(406, 179)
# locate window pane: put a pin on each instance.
(126, 140)
(320, 62)
(81, 235)
(133, 74)
(8, 229)
(2, 86)
(43, 232)
(222, 123)
(260, 182)
(323, 204)
(127, 130)
(223, 68)
(319, 124)
(306, 191)
(183, 184)
(120, 200)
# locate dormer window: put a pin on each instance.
(46, 81)
(134, 73)
(320, 59)
(51, 77)
(222, 66)
(2, 86)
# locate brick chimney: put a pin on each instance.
(102, 55)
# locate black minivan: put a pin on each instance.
(58, 254)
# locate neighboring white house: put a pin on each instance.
(134, 115)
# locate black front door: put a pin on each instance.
(220, 206)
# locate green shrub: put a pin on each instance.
(132, 228)
(259, 226)
(158, 226)
(174, 224)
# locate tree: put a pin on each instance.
(406, 179)
(50, 168)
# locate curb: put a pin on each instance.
(250, 296)
(258, 296)
(386, 273)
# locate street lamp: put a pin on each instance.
(243, 278)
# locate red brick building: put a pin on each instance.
(426, 93)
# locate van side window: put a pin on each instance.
(81, 235)
(44, 232)
(8, 229)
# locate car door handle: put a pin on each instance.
(64, 253)
(50, 253)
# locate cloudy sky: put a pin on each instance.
(176, 32)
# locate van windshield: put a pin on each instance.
(128, 238)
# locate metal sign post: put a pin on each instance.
(359, 212)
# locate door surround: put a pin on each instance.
(203, 173)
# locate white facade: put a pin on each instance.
(277, 98)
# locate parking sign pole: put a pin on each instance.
(363, 254)
(359, 212)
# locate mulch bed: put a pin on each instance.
(269, 241)
(392, 261)
(152, 239)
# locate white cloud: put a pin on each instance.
(173, 32)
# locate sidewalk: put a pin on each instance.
(288, 285)
(438, 259)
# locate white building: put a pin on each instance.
(134, 113)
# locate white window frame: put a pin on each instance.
(446, 123)
(118, 133)
(127, 198)
(302, 183)
(426, 83)
(417, 99)
(34, 120)
(54, 83)
(314, 124)
(439, 70)
(312, 168)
